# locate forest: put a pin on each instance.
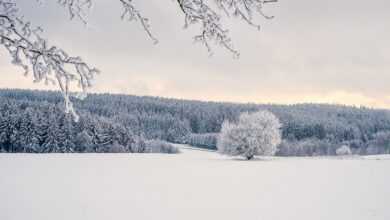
(34, 121)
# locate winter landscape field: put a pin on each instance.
(194, 110)
(192, 185)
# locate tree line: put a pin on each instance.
(128, 118)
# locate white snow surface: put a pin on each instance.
(193, 185)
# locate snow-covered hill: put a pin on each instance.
(192, 185)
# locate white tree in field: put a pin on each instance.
(51, 64)
(343, 150)
(254, 134)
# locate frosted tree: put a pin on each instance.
(53, 65)
(254, 134)
(343, 150)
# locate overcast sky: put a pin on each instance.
(312, 51)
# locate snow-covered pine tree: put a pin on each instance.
(54, 136)
(83, 142)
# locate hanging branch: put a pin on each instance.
(130, 13)
(199, 11)
(47, 63)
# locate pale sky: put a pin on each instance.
(312, 51)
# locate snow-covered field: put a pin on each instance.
(194, 185)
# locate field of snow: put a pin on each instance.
(193, 185)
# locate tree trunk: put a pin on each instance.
(249, 157)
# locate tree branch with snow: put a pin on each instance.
(50, 64)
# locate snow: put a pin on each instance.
(192, 185)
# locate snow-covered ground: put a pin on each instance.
(194, 185)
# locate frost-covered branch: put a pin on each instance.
(29, 50)
(200, 11)
(244, 9)
(77, 8)
(131, 13)
(80, 8)
(196, 11)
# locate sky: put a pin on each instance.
(312, 52)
